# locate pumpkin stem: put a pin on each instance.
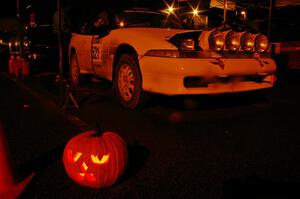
(99, 131)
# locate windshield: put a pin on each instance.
(213, 18)
(147, 19)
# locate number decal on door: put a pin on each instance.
(96, 52)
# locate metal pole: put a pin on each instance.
(59, 35)
(19, 36)
(225, 11)
(270, 18)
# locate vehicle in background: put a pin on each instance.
(8, 45)
(285, 34)
(4, 52)
(40, 45)
(40, 48)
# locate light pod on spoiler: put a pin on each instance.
(212, 40)
(233, 40)
(261, 43)
(248, 42)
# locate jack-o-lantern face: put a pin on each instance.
(85, 173)
(89, 160)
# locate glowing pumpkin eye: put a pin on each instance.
(96, 160)
(75, 157)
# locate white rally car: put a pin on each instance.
(143, 51)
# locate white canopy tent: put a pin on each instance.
(284, 3)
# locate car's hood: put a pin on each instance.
(160, 33)
(144, 39)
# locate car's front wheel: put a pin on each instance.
(128, 82)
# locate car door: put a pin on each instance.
(100, 54)
(100, 44)
(83, 50)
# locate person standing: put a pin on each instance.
(65, 29)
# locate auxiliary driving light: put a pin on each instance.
(233, 41)
(248, 42)
(216, 40)
(261, 43)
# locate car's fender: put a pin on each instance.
(143, 39)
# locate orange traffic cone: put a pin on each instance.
(8, 188)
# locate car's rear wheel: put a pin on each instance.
(75, 76)
(128, 82)
(74, 69)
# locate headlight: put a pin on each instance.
(163, 53)
(261, 43)
(248, 41)
(216, 41)
(187, 44)
(233, 41)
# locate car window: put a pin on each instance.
(101, 23)
(147, 19)
(102, 19)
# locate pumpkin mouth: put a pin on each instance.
(85, 175)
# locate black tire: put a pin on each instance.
(127, 82)
(74, 69)
(75, 76)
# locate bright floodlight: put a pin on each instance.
(170, 9)
(195, 12)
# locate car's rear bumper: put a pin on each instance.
(176, 76)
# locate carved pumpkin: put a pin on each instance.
(95, 159)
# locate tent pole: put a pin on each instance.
(60, 68)
(270, 18)
(225, 11)
(20, 39)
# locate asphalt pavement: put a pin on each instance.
(227, 146)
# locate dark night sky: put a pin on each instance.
(8, 9)
(287, 17)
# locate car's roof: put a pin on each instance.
(141, 11)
